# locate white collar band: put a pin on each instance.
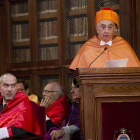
(104, 43)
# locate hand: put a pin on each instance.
(46, 102)
(55, 134)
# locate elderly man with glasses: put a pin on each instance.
(56, 104)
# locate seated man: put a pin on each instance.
(56, 104)
(71, 123)
(22, 85)
(17, 117)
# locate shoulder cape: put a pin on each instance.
(58, 110)
(120, 49)
(19, 113)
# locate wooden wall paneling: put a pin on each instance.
(91, 18)
(18, 65)
(1, 18)
(46, 63)
(21, 73)
(65, 72)
(61, 30)
(35, 83)
(1, 2)
(137, 32)
(66, 10)
(2, 40)
(126, 20)
(49, 71)
(12, 0)
(61, 77)
(133, 25)
(63, 80)
(8, 33)
(81, 113)
(32, 30)
(61, 14)
(89, 116)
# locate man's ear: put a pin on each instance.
(27, 91)
(97, 29)
(57, 95)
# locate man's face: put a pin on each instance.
(20, 86)
(48, 93)
(105, 30)
(8, 88)
(75, 92)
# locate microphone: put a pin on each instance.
(98, 56)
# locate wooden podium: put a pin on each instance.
(107, 86)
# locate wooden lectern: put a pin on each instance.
(110, 100)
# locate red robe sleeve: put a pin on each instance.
(20, 113)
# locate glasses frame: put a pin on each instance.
(47, 91)
(20, 89)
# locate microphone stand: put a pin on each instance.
(98, 56)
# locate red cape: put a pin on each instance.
(58, 111)
(19, 113)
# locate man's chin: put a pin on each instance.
(9, 98)
(106, 39)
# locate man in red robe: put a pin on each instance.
(57, 106)
(117, 47)
(17, 117)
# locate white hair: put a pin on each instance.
(57, 87)
(1, 78)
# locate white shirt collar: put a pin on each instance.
(4, 103)
(106, 43)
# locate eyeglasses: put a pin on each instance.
(47, 91)
(20, 89)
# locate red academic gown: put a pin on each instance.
(58, 111)
(19, 113)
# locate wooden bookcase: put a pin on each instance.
(42, 37)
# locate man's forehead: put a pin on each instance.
(48, 86)
(8, 79)
(20, 85)
(106, 22)
(8, 83)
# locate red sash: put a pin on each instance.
(58, 110)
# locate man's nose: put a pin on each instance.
(106, 30)
(9, 88)
(72, 90)
(44, 93)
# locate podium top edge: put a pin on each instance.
(115, 70)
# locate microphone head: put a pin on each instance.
(105, 48)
